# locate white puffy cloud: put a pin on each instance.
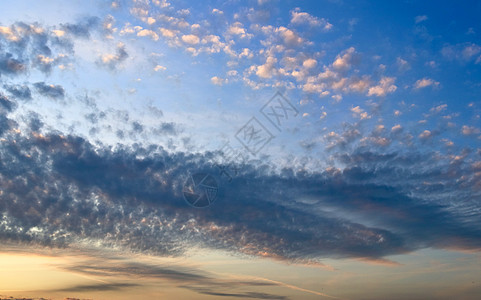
(298, 17)
(148, 32)
(358, 112)
(426, 134)
(267, 70)
(246, 52)
(385, 86)
(309, 63)
(343, 61)
(238, 29)
(396, 128)
(425, 82)
(359, 84)
(289, 37)
(191, 39)
(167, 32)
(151, 20)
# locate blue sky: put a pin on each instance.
(107, 108)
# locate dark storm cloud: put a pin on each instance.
(71, 190)
(58, 189)
(49, 90)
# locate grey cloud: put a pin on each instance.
(36, 46)
(98, 287)
(247, 295)
(83, 28)
(6, 104)
(21, 92)
(50, 90)
(10, 65)
(259, 213)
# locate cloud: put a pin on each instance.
(290, 37)
(50, 90)
(8, 33)
(420, 19)
(113, 61)
(159, 68)
(238, 29)
(268, 69)
(309, 63)
(115, 189)
(60, 188)
(463, 52)
(438, 109)
(82, 29)
(97, 287)
(216, 11)
(6, 104)
(191, 39)
(396, 128)
(218, 81)
(21, 92)
(299, 18)
(360, 113)
(248, 295)
(425, 82)
(403, 65)
(385, 86)
(10, 65)
(146, 32)
(470, 130)
(426, 134)
(343, 61)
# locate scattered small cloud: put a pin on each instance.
(420, 19)
(425, 82)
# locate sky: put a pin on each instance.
(259, 149)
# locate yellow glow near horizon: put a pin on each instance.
(54, 274)
(27, 272)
